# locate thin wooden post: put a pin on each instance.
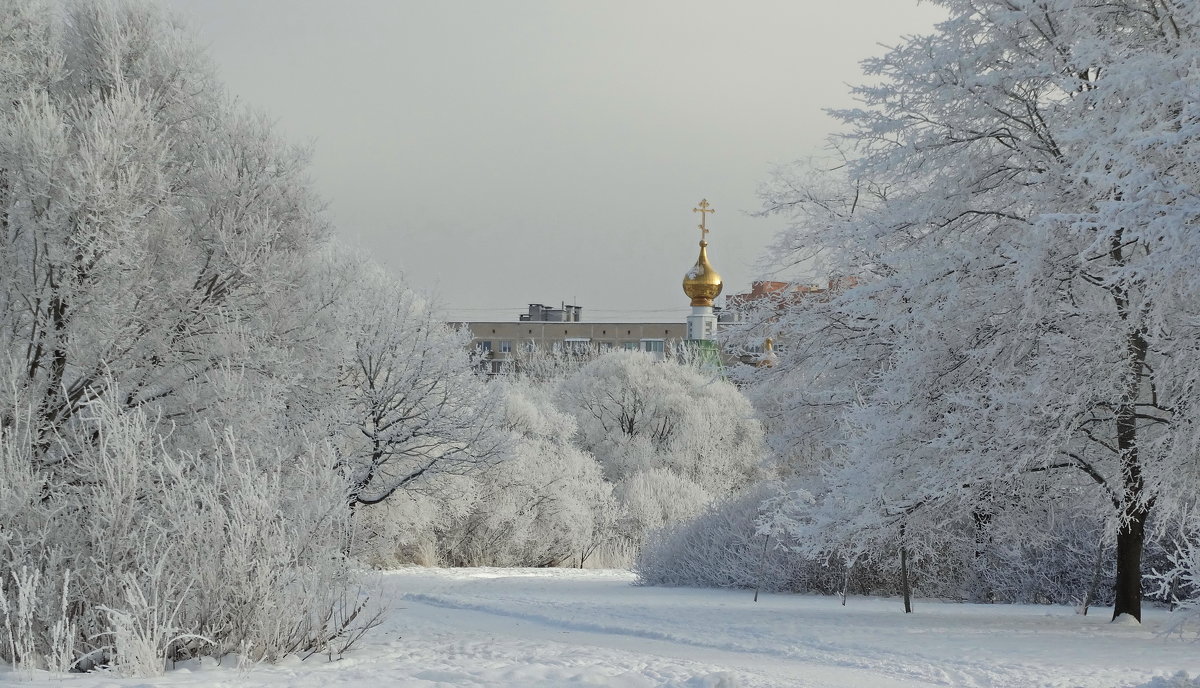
(904, 583)
(762, 560)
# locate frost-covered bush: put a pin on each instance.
(675, 416)
(1177, 579)
(548, 503)
(168, 358)
(148, 554)
(731, 544)
(670, 437)
(545, 506)
(404, 529)
(720, 547)
(544, 503)
(1056, 556)
(994, 553)
(599, 453)
(653, 498)
(994, 559)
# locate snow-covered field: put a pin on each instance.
(566, 627)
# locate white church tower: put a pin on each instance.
(702, 284)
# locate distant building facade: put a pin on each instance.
(542, 329)
(782, 294)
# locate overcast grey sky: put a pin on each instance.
(498, 153)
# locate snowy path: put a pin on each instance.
(790, 640)
(545, 628)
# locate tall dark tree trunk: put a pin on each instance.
(1129, 566)
(1132, 530)
(905, 585)
(1135, 506)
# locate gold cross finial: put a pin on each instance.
(703, 210)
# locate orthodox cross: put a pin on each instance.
(703, 210)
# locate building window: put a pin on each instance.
(530, 346)
(606, 346)
(629, 346)
(577, 345)
(505, 346)
(485, 345)
(653, 345)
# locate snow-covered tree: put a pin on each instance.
(152, 231)
(416, 404)
(165, 356)
(671, 437)
(1020, 205)
(544, 504)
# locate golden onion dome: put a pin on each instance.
(768, 358)
(702, 283)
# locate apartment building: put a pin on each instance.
(563, 330)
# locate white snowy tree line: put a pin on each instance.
(212, 415)
(599, 452)
(1004, 402)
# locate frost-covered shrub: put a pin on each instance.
(147, 554)
(548, 503)
(404, 530)
(635, 412)
(720, 547)
(544, 504)
(1179, 680)
(657, 497)
(670, 437)
(1177, 579)
(994, 559)
(1064, 559)
(542, 507)
(165, 354)
(726, 546)
(597, 455)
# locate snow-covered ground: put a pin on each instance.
(565, 627)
